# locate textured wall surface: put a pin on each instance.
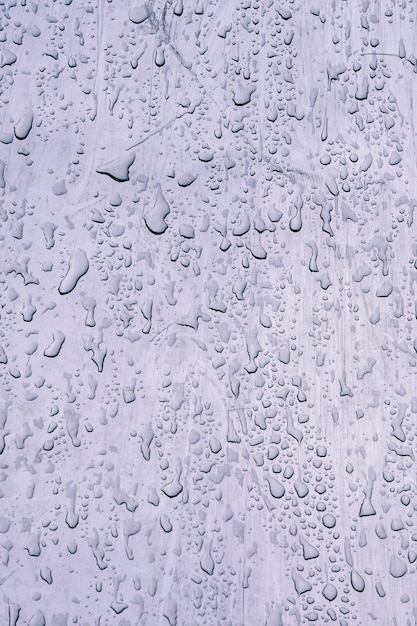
(208, 337)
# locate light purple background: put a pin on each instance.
(208, 313)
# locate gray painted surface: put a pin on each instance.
(208, 313)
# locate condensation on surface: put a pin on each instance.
(208, 337)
